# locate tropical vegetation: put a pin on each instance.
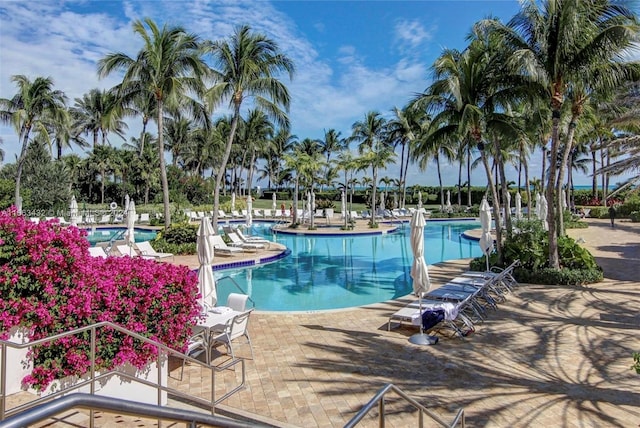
(554, 79)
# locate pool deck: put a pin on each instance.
(554, 356)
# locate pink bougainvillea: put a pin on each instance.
(50, 284)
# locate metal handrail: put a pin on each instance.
(238, 287)
(162, 350)
(121, 407)
(113, 239)
(379, 400)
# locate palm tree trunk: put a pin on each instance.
(505, 190)
(163, 168)
(469, 200)
(563, 165)
(460, 183)
(145, 119)
(223, 165)
(594, 176)
(528, 184)
(372, 221)
(496, 203)
(554, 261)
(21, 159)
(440, 183)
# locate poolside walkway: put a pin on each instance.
(553, 356)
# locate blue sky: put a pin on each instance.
(351, 56)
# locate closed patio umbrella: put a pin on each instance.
(563, 195)
(507, 209)
(233, 201)
(73, 211)
(129, 235)
(448, 208)
(537, 207)
(249, 211)
(544, 209)
(206, 281)
(419, 273)
(518, 206)
(344, 208)
(127, 199)
(274, 206)
(419, 199)
(382, 207)
(486, 239)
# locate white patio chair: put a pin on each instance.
(234, 329)
(237, 302)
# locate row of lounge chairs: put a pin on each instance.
(326, 213)
(142, 249)
(461, 303)
(91, 219)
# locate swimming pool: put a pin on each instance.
(105, 234)
(333, 272)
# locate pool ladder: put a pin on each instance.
(113, 239)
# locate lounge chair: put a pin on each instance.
(221, 247)
(97, 252)
(236, 241)
(147, 250)
(236, 214)
(329, 213)
(252, 239)
(105, 219)
(257, 213)
(234, 329)
(126, 250)
(222, 214)
(267, 213)
(354, 215)
(454, 316)
(144, 218)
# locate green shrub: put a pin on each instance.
(599, 212)
(631, 204)
(530, 246)
(163, 246)
(635, 216)
(179, 234)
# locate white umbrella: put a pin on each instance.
(544, 208)
(518, 206)
(448, 201)
(344, 208)
(507, 209)
(274, 206)
(419, 271)
(395, 200)
(73, 211)
(249, 209)
(309, 213)
(129, 235)
(126, 203)
(419, 199)
(233, 201)
(382, 207)
(537, 207)
(486, 240)
(563, 195)
(313, 201)
(206, 281)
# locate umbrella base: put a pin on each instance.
(423, 339)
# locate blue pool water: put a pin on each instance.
(343, 271)
(105, 234)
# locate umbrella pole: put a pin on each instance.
(422, 338)
(487, 258)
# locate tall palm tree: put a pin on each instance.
(168, 66)
(374, 149)
(246, 66)
(97, 114)
(332, 143)
(35, 101)
(557, 43)
(258, 131)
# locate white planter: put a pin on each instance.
(114, 386)
(17, 365)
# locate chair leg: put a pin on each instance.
(250, 346)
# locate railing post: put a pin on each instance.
(381, 410)
(92, 371)
(3, 384)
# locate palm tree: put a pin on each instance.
(374, 149)
(246, 66)
(168, 66)
(98, 113)
(35, 102)
(556, 44)
(258, 131)
(332, 143)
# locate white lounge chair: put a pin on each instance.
(236, 241)
(257, 213)
(222, 214)
(97, 252)
(267, 213)
(251, 239)
(147, 250)
(105, 219)
(221, 247)
(126, 250)
(144, 218)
